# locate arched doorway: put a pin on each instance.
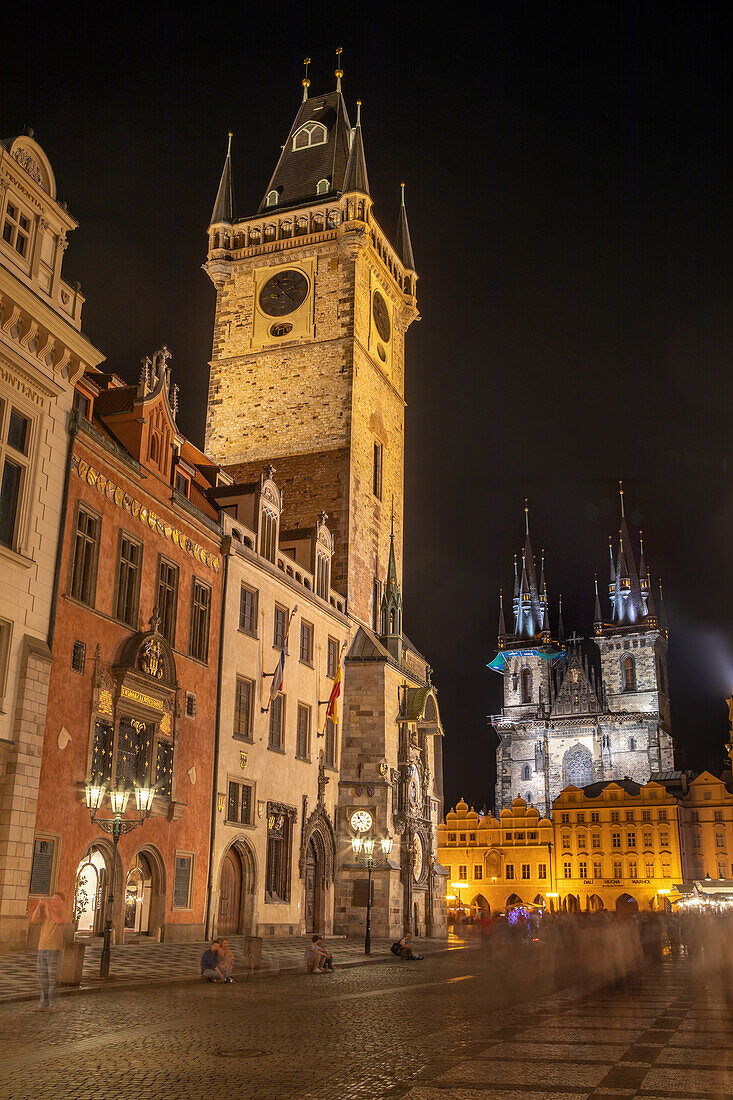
(313, 886)
(596, 903)
(513, 899)
(90, 893)
(138, 896)
(230, 894)
(626, 904)
(571, 904)
(480, 907)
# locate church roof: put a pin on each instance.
(299, 170)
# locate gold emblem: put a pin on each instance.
(151, 658)
(220, 802)
(243, 759)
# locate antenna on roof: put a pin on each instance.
(306, 81)
(339, 70)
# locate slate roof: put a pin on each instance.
(117, 400)
(298, 171)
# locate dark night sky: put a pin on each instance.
(570, 174)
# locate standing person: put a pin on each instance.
(226, 960)
(49, 914)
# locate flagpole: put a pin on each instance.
(322, 702)
(281, 660)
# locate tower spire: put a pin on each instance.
(404, 243)
(339, 71)
(306, 81)
(502, 623)
(224, 205)
(597, 616)
(560, 623)
(621, 494)
(355, 177)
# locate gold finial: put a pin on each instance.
(621, 494)
(339, 70)
(229, 146)
(306, 81)
(402, 187)
(358, 112)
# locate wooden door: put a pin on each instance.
(312, 892)
(230, 895)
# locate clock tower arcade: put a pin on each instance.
(307, 370)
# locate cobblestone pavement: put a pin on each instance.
(175, 961)
(457, 1025)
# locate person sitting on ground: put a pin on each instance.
(406, 951)
(315, 956)
(328, 957)
(226, 960)
(210, 963)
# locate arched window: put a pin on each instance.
(629, 673)
(632, 744)
(310, 133)
(322, 187)
(525, 772)
(273, 198)
(577, 767)
(526, 686)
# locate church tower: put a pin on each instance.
(312, 305)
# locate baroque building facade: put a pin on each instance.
(42, 353)
(313, 302)
(578, 712)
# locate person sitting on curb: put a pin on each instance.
(226, 960)
(328, 957)
(405, 951)
(315, 956)
(210, 963)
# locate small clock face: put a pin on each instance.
(414, 787)
(361, 821)
(283, 293)
(381, 316)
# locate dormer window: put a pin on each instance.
(272, 198)
(183, 485)
(268, 534)
(323, 569)
(16, 229)
(310, 133)
(323, 187)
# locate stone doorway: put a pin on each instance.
(230, 894)
(314, 873)
(91, 892)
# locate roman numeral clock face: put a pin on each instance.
(283, 293)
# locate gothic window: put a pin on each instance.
(377, 470)
(322, 576)
(310, 133)
(277, 873)
(632, 744)
(577, 767)
(322, 187)
(526, 686)
(272, 198)
(525, 772)
(268, 534)
(528, 797)
(629, 673)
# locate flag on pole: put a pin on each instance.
(279, 674)
(331, 706)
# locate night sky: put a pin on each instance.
(569, 181)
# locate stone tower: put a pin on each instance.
(307, 370)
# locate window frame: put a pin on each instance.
(24, 461)
(196, 581)
(307, 632)
(330, 743)
(236, 733)
(82, 506)
(311, 127)
(280, 746)
(241, 784)
(332, 646)
(378, 469)
(124, 536)
(254, 593)
(278, 645)
(16, 229)
(303, 749)
(164, 562)
(191, 857)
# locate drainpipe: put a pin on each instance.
(215, 779)
(73, 429)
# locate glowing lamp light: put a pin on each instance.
(118, 798)
(664, 891)
(144, 799)
(368, 847)
(386, 845)
(459, 886)
(553, 895)
(95, 793)
(356, 844)
(450, 897)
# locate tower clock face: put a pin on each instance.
(413, 788)
(283, 293)
(361, 821)
(381, 316)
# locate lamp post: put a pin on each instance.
(363, 848)
(116, 826)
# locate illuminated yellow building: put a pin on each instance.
(706, 829)
(609, 845)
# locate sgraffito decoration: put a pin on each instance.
(141, 512)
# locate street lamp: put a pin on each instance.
(458, 886)
(363, 849)
(116, 825)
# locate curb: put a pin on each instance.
(242, 977)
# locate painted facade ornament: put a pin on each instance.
(243, 759)
(64, 738)
(151, 658)
(30, 164)
(191, 773)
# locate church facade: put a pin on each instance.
(578, 712)
(313, 303)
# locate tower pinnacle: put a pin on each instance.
(306, 81)
(339, 71)
(224, 205)
(404, 243)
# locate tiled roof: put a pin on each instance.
(117, 400)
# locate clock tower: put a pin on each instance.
(307, 372)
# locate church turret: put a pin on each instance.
(529, 612)
(597, 614)
(403, 242)
(501, 634)
(560, 623)
(355, 177)
(392, 605)
(223, 211)
(626, 592)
